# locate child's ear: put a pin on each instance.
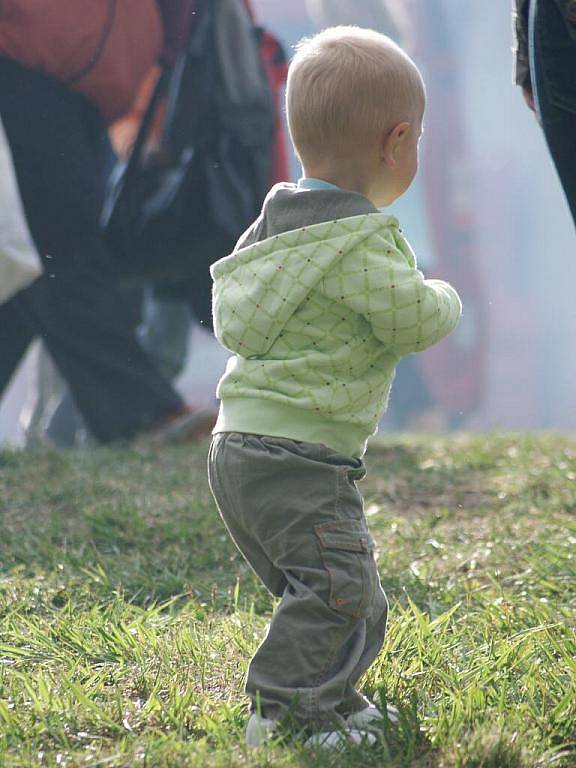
(392, 142)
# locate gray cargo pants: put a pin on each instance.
(295, 513)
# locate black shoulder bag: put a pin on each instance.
(167, 221)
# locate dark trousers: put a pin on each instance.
(553, 74)
(60, 152)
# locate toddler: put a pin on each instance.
(318, 302)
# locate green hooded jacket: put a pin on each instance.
(318, 307)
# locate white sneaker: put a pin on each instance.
(371, 718)
(259, 730)
(339, 740)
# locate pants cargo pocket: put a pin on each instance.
(347, 551)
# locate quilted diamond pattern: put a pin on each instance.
(319, 317)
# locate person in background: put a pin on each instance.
(171, 309)
(66, 73)
(545, 69)
(162, 328)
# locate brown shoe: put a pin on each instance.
(186, 426)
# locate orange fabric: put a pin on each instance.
(124, 131)
(60, 39)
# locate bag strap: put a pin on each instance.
(146, 122)
(161, 87)
(99, 50)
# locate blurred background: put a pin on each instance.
(487, 213)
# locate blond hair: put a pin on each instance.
(346, 85)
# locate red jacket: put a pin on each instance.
(101, 48)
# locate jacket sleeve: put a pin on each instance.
(521, 63)
(407, 313)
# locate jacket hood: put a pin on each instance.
(259, 287)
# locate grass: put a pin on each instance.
(127, 618)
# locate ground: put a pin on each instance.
(127, 618)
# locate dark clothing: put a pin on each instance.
(567, 11)
(552, 47)
(58, 144)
